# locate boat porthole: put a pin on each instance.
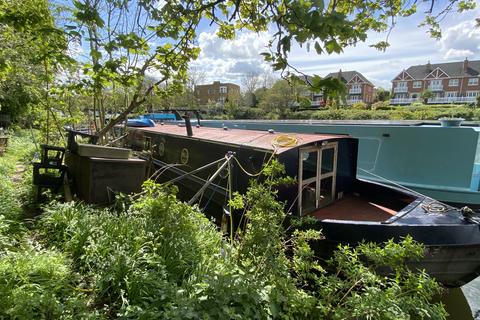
(184, 156)
(161, 148)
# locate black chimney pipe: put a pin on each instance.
(188, 125)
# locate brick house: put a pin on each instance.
(217, 92)
(359, 88)
(452, 82)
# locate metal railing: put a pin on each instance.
(436, 87)
(352, 101)
(452, 100)
(400, 89)
(403, 100)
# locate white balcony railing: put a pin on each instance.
(452, 100)
(403, 100)
(355, 91)
(436, 87)
(352, 101)
(400, 89)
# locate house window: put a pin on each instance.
(402, 84)
(451, 94)
(417, 84)
(471, 93)
(221, 99)
(453, 83)
(209, 91)
(401, 96)
(473, 81)
(223, 89)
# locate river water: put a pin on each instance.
(472, 294)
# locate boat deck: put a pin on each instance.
(354, 208)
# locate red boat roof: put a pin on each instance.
(251, 138)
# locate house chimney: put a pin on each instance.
(429, 66)
(340, 74)
(465, 65)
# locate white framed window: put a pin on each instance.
(473, 81)
(402, 84)
(453, 83)
(221, 99)
(451, 94)
(223, 89)
(417, 84)
(401, 96)
(471, 93)
(210, 91)
(435, 83)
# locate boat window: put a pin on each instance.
(309, 197)
(184, 155)
(327, 160)
(161, 149)
(317, 171)
(309, 164)
(326, 191)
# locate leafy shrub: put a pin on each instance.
(381, 105)
(359, 106)
(136, 256)
(163, 259)
(38, 284)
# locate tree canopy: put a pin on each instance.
(125, 42)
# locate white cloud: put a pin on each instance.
(461, 40)
(230, 60)
(226, 60)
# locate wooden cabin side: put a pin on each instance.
(330, 164)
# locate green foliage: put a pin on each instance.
(284, 96)
(359, 106)
(39, 284)
(34, 283)
(163, 259)
(31, 51)
(382, 94)
(426, 94)
(137, 257)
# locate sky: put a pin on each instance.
(230, 61)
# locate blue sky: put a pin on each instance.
(410, 45)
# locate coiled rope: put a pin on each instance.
(281, 141)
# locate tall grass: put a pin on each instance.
(34, 283)
(162, 259)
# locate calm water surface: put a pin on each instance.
(472, 293)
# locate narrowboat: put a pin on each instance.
(442, 162)
(347, 209)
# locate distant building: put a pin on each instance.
(217, 92)
(452, 82)
(359, 88)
